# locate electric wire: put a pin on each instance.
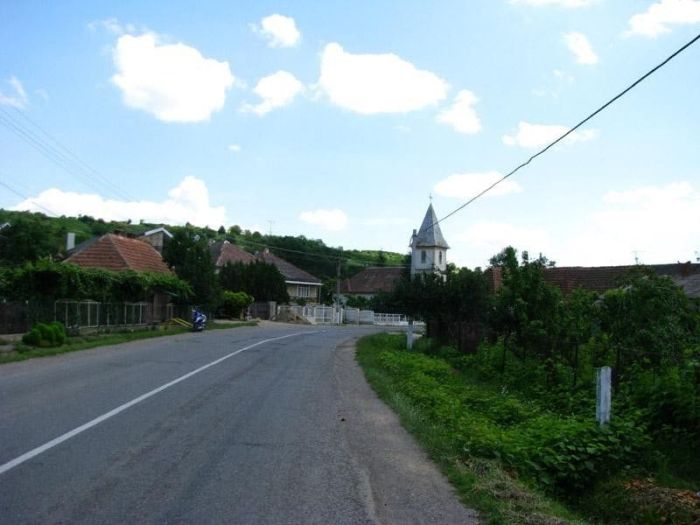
(19, 194)
(68, 161)
(75, 157)
(570, 131)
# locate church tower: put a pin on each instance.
(428, 247)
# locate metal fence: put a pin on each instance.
(92, 314)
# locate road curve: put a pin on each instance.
(273, 424)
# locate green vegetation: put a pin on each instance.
(32, 236)
(45, 335)
(49, 280)
(260, 280)
(513, 454)
(188, 254)
(435, 403)
(523, 394)
(233, 304)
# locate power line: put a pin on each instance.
(330, 257)
(581, 123)
(59, 154)
(75, 157)
(28, 199)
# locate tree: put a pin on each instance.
(27, 239)
(259, 279)
(188, 254)
(528, 311)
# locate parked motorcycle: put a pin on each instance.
(199, 320)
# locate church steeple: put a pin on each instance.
(428, 246)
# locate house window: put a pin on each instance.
(423, 256)
(303, 291)
(440, 257)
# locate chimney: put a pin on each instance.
(70, 241)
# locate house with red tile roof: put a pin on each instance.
(602, 278)
(371, 281)
(301, 285)
(117, 253)
(223, 252)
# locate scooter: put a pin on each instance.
(199, 320)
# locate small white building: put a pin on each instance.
(428, 247)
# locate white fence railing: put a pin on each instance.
(330, 315)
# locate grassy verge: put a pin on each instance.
(482, 483)
(85, 342)
(518, 460)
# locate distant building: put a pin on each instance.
(428, 247)
(370, 281)
(301, 285)
(602, 278)
(117, 253)
(223, 252)
(157, 238)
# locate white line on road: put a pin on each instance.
(82, 428)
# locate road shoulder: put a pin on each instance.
(402, 484)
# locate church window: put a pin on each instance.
(440, 257)
(423, 256)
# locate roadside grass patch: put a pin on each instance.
(84, 342)
(450, 419)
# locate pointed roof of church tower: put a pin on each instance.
(429, 234)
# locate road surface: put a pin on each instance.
(272, 424)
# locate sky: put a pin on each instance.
(341, 120)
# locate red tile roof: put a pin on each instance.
(287, 269)
(116, 253)
(223, 252)
(372, 281)
(602, 278)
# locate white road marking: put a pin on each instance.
(82, 428)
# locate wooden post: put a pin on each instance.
(603, 395)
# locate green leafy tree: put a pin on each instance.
(28, 238)
(188, 254)
(261, 280)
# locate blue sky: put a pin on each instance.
(337, 120)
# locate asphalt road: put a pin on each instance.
(273, 424)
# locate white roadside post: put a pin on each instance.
(409, 335)
(603, 395)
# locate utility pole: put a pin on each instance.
(337, 289)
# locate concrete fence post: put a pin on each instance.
(603, 395)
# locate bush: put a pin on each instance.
(233, 303)
(45, 335)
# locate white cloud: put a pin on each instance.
(659, 16)
(276, 91)
(538, 135)
(18, 98)
(173, 82)
(579, 45)
(236, 148)
(560, 3)
(660, 223)
(278, 30)
(466, 185)
(377, 83)
(332, 220)
(461, 115)
(187, 202)
(489, 238)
